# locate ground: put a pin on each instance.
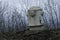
(32, 35)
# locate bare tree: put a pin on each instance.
(51, 16)
(2, 10)
(12, 19)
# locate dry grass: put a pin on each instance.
(31, 35)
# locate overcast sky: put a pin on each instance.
(26, 4)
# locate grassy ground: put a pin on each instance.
(31, 35)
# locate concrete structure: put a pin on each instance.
(35, 15)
